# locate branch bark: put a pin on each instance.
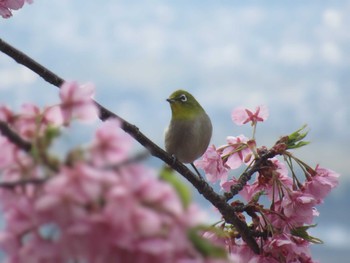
(247, 175)
(226, 210)
(14, 138)
(23, 182)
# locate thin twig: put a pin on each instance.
(39, 181)
(132, 160)
(23, 182)
(202, 186)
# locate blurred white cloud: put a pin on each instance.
(332, 18)
(296, 53)
(227, 56)
(16, 76)
(331, 52)
(336, 236)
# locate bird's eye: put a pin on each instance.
(183, 98)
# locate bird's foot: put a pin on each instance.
(195, 168)
(174, 159)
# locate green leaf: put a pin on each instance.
(51, 133)
(302, 232)
(256, 197)
(206, 248)
(73, 156)
(45, 141)
(34, 152)
(295, 140)
(167, 174)
(299, 145)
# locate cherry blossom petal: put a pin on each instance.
(14, 4)
(212, 165)
(111, 144)
(241, 115)
(6, 5)
(77, 102)
(236, 152)
(322, 183)
(299, 207)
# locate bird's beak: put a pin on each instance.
(170, 100)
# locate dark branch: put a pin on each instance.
(23, 59)
(14, 138)
(23, 182)
(202, 186)
(246, 176)
(132, 160)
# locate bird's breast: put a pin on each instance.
(188, 139)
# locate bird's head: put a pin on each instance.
(184, 105)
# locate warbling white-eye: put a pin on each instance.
(190, 129)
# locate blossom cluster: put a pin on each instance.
(7, 5)
(94, 206)
(283, 225)
(87, 207)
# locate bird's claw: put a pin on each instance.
(195, 168)
(174, 159)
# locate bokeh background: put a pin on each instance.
(292, 56)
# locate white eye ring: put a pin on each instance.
(183, 98)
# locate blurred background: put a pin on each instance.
(292, 56)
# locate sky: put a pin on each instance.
(292, 56)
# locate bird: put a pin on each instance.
(188, 135)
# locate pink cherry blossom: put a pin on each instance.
(89, 210)
(53, 115)
(7, 153)
(28, 122)
(15, 164)
(299, 207)
(78, 185)
(6, 114)
(212, 165)
(236, 152)
(273, 182)
(288, 248)
(77, 102)
(4, 11)
(7, 5)
(110, 144)
(242, 115)
(9, 243)
(32, 121)
(322, 183)
(96, 214)
(241, 253)
(20, 215)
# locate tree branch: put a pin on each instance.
(14, 138)
(23, 59)
(247, 175)
(23, 182)
(202, 186)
